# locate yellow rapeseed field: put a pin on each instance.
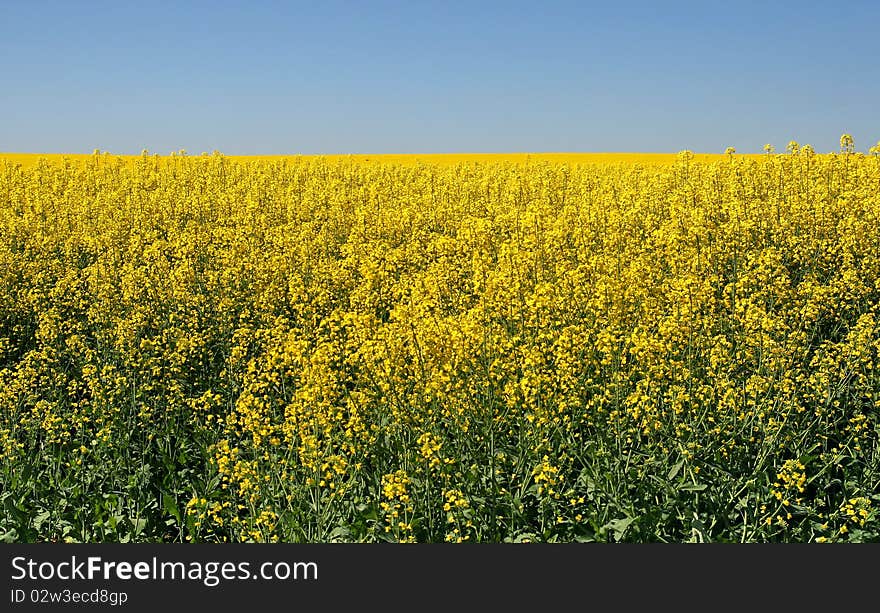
(544, 347)
(436, 159)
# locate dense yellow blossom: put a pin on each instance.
(437, 348)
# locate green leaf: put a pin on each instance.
(170, 506)
(693, 487)
(138, 523)
(13, 510)
(806, 458)
(10, 536)
(40, 519)
(674, 470)
(619, 526)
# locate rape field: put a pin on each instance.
(434, 159)
(205, 348)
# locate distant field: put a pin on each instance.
(29, 159)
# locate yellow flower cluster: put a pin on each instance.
(397, 505)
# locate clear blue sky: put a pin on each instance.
(437, 76)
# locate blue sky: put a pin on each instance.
(417, 77)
